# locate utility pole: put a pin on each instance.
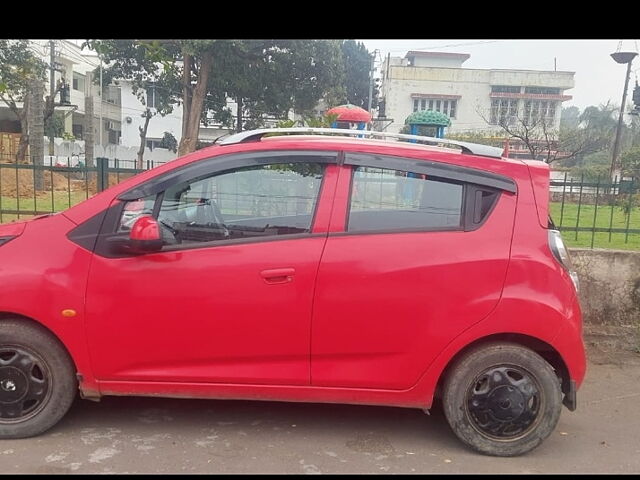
(88, 135)
(100, 97)
(52, 89)
(621, 57)
(373, 60)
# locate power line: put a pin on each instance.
(458, 45)
(441, 46)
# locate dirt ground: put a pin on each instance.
(151, 435)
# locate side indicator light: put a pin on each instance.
(68, 313)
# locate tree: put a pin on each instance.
(169, 142)
(270, 78)
(147, 114)
(570, 117)
(539, 136)
(265, 75)
(54, 126)
(357, 64)
(593, 167)
(153, 79)
(630, 162)
(18, 65)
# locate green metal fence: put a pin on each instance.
(27, 189)
(591, 213)
(598, 213)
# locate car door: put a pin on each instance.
(228, 298)
(421, 256)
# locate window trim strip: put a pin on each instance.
(435, 169)
(220, 163)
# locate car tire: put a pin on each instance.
(37, 379)
(502, 399)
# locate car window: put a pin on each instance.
(255, 201)
(386, 199)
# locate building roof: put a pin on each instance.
(460, 56)
(428, 117)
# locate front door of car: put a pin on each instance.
(422, 256)
(228, 298)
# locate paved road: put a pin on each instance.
(148, 435)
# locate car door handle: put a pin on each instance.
(278, 275)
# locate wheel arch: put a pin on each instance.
(542, 348)
(41, 326)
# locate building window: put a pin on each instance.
(448, 107)
(505, 89)
(536, 110)
(77, 131)
(78, 82)
(112, 94)
(153, 143)
(503, 110)
(542, 90)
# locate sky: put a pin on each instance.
(598, 77)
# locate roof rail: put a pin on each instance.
(472, 148)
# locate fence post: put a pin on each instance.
(103, 173)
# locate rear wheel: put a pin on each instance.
(502, 399)
(37, 382)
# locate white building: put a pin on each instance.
(74, 67)
(474, 99)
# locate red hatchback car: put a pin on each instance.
(302, 268)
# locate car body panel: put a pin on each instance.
(167, 348)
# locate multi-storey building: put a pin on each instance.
(474, 99)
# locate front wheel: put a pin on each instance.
(502, 399)
(37, 382)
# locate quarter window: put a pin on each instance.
(383, 199)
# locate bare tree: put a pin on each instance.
(543, 141)
(147, 114)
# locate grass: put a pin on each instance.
(43, 202)
(603, 219)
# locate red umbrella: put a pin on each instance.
(350, 113)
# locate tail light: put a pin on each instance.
(560, 252)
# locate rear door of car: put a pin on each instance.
(418, 252)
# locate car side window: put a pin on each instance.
(385, 199)
(254, 201)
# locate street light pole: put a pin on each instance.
(373, 59)
(621, 57)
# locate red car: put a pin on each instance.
(302, 268)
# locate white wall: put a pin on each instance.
(70, 153)
(473, 86)
(132, 108)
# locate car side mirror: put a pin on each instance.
(145, 235)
